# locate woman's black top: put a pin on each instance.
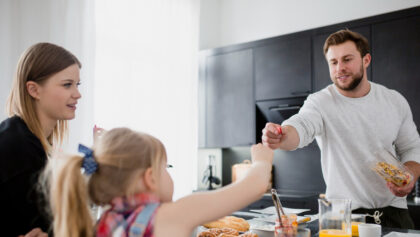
(22, 158)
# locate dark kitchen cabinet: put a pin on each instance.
(396, 58)
(229, 102)
(283, 68)
(321, 74)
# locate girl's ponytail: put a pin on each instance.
(68, 195)
(121, 154)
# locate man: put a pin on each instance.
(352, 120)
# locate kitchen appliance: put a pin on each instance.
(208, 177)
(278, 110)
(275, 111)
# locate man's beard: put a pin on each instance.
(357, 78)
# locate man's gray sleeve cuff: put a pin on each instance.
(300, 130)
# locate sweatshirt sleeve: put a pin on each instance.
(407, 143)
(308, 122)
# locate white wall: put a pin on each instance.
(225, 22)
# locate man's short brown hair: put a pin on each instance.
(342, 36)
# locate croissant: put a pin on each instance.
(233, 222)
(206, 234)
(226, 235)
(218, 231)
(224, 232)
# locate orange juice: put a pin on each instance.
(333, 233)
(355, 228)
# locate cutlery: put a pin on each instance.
(277, 204)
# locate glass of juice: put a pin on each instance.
(334, 217)
(356, 219)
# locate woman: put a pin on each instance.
(43, 97)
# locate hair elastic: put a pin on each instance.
(89, 164)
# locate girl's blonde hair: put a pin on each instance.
(122, 156)
(38, 63)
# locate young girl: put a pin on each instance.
(128, 171)
(43, 97)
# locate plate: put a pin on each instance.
(271, 210)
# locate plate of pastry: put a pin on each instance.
(227, 226)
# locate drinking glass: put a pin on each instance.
(299, 232)
(289, 227)
(357, 219)
(334, 218)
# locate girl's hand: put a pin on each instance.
(37, 232)
(261, 153)
(97, 132)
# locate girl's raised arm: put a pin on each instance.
(199, 208)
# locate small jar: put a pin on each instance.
(288, 226)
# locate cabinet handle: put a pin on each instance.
(284, 107)
(301, 93)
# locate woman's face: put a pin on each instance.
(58, 96)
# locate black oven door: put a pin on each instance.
(276, 111)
